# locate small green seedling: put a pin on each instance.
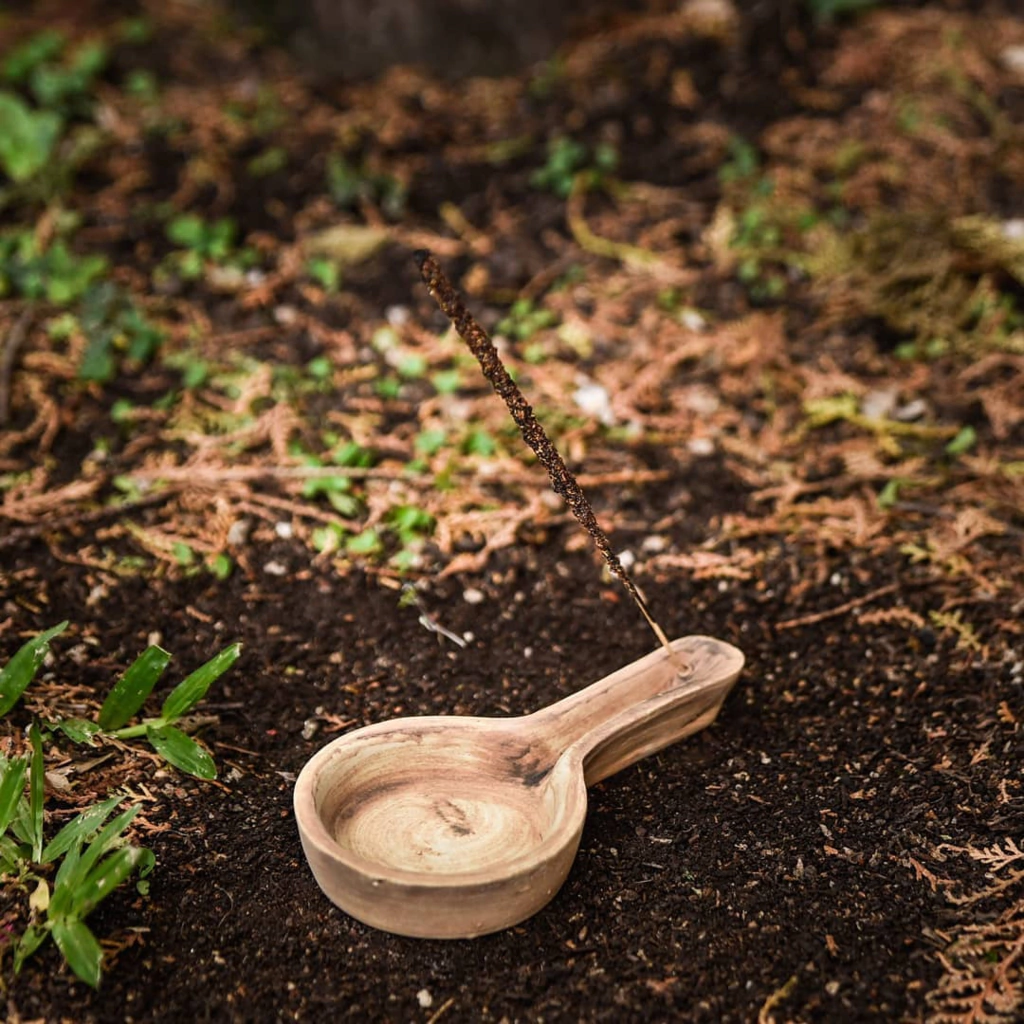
(201, 241)
(130, 693)
(28, 139)
(126, 699)
(115, 329)
(55, 274)
(524, 320)
(567, 158)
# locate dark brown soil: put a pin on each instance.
(797, 860)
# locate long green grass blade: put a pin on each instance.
(12, 784)
(182, 751)
(69, 879)
(80, 948)
(21, 669)
(192, 689)
(31, 939)
(132, 689)
(105, 877)
(21, 826)
(11, 858)
(78, 829)
(36, 792)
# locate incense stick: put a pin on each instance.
(562, 480)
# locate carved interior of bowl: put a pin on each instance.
(445, 800)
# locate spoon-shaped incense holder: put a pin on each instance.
(452, 827)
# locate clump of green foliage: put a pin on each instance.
(48, 84)
(766, 236)
(567, 158)
(52, 273)
(199, 242)
(349, 185)
(89, 857)
(524, 319)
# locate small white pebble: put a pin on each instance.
(703, 401)
(527, 652)
(836, 579)
(275, 569)
(912, 411)
(1013, 59)
(424, 998)
(238, 532)
(469, 636)
(397, 315)
(627, 558)
(592, 398)
(692, 320)
(472, 596)
(879, 403)
(1013, 229)
(286, 315)
(701, 446)
(284, 530)
(654, 543)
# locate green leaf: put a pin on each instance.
(964, 441)
(12, 784)
(427, 442)
(187, 230)
(80, 948)
(103, 880)
(78, 829)
(366, 543)
(446, 382)
(78, 730)
(191, 690)
(21, 826)
(146, 861)
(183, 554)
(31, 939)
(221, 565)
(36, 792)
(132, 689)
(62, 889)
(40, 47)
(21, 669)
(28, 137)
(11, 856)
(182, 751)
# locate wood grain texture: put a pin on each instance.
(454, 827)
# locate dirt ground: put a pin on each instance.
(767, 295)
